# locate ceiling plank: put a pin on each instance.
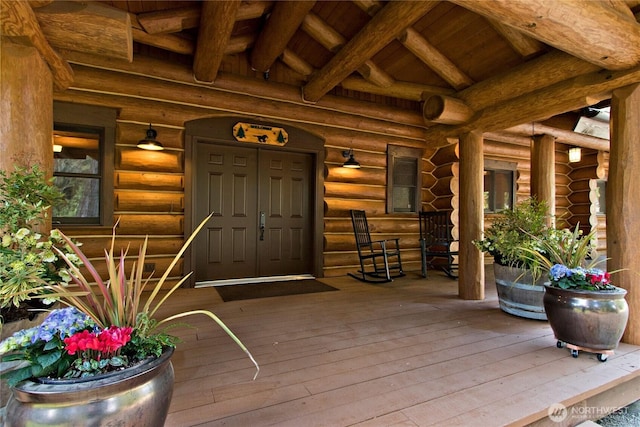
(87, 27)
(333, 41)
(18, 20)
(385, 26)
(591, 30)
(216, 24)
(526, 46)
(282, 24)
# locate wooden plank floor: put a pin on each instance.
(407, 353)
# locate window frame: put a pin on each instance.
(394, 152)
(103, 119)
(501, 166)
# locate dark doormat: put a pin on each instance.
(272, 289)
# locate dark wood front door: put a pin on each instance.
(263, 218)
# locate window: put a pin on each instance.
(403, 179)
(499, 185)
(601, 193)
(83, 138)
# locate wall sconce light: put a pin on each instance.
(57, 148)
(149, 142)
(575, 154)
(351, 162)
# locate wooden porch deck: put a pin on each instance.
(407, 353)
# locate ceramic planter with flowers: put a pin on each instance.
(105, 359)
(585, 310)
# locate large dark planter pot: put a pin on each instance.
(518, 294)
(587, 319)
(136, 396)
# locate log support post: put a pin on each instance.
(471, 262)
(26, 108)
(543, 172)
(623, 204)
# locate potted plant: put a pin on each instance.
(28, 260)
(585, 310)
(518, 282)
(90, 361)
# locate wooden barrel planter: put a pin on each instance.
(518, 294)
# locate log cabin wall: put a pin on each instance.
(149, 187)
(583, 178)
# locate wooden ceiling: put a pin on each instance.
(487, 65)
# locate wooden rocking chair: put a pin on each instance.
(436, 240)
(375, 254)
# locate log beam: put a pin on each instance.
(385, 26)
(216, 23)
(19, 21)
(282, 24)
(546, 70)
(543, 172)
(398, 89)
(89, 27)
(434, 59)
(321, 32)
(170, 20)
(623, 204)
(145, 66)
(184, 18)
(471, 269)
(446, 110)
(592, 30)
(570, 94)
(526, 46)
(423, 50)
(561, 135)
(26, 107)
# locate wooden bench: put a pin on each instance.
(379, 259)
(436, 240)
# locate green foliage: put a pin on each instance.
(569, 258)
(28, 261)
(26, 197)
(513, 230)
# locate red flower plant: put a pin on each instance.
(106, 343)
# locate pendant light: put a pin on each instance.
(149, 142)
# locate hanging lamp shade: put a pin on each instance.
(351, 161)
(150, 142)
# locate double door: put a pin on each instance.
(262, 224)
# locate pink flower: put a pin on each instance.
(106, 343)
(81, 341)
(113, 338)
